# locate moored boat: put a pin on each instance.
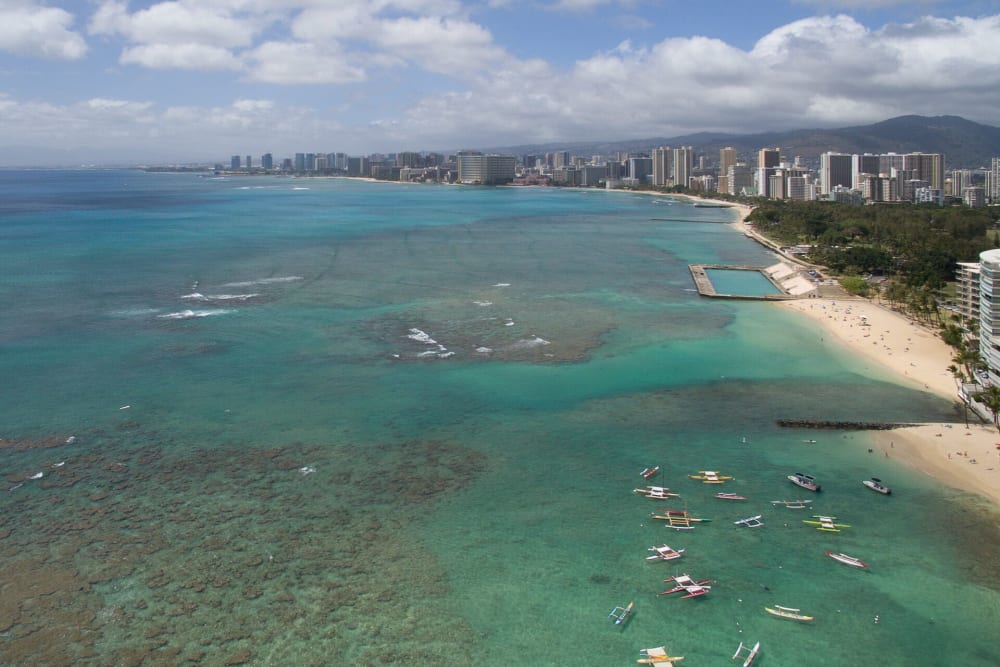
(664, 552)
(730, 496)
(649, 472)
(691, 588)
(847, 560)
(657, 656)
(750, 522)
(751, 653)
(875, 484)
(788, 612)
(826, 523)
(657, 492)
(792, 504)
(805, 481)
(711, 477)
(621, 614)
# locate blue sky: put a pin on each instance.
(193, 80)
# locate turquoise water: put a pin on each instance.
(739, 282)
(272, 463)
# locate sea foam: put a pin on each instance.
(264, 281)
(190, 314)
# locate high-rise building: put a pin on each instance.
(639, 168)
(727, 158)
(928, 167)
(739, 179)
(663, 159)
(267, 162)
(989, 312)
(993, 182)
(768, 159)
(234, 162)
(974, 197)
(683, 165)
(249, 163)
(864, 164)
(967, 290)
(479, 169)
(835, 169)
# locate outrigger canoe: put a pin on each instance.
(691, 587)
(789, 613)
(710, 477)
(664, 552)
(678, 519)
(847, 560)
(751, 653)
(649, 472)
(657, 656)
(826, 524)
(621, 614)
(729, 496)
(657, 492)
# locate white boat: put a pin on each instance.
(788, 612)
(751, 653)
(657, 492)
(805, 481)
(847, 560)
(750, 522)
(664, 552)
(875, 484)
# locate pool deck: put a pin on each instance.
(699, 272)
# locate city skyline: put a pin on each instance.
(195, 81)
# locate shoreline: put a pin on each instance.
(963, 458)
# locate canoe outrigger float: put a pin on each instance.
(657, 656)
(664, 552)
(691, 587)
(847, 560)
(826, 524)
(657, 492)
(621, 614)
(710, 477)
(751, 653)
(678, 519)
(789, 613)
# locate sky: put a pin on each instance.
(113, 81)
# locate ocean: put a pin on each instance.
(281, 421)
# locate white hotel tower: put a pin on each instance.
(989, 312)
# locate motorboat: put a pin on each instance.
(875, 484)
(847, 560)
(805, 481)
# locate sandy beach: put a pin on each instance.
(965, 458)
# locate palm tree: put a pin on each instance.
(990, 397)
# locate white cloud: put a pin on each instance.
(175, 23)
(29, 29)
(180, 56)
(302, 63)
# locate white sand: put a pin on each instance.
(964, 458)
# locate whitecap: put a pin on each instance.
(299, 188)
(135, 312)
(445, 355)
(502, 285)
(528, 343)
(428, 353)
(509, 323)
(70, 440)
(189, 314)
(264, 281)
(194, 296)
(37, 475)
(483, 303)
(307, 470)
(484, 350)
(421, 337)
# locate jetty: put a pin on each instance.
(840, 425)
